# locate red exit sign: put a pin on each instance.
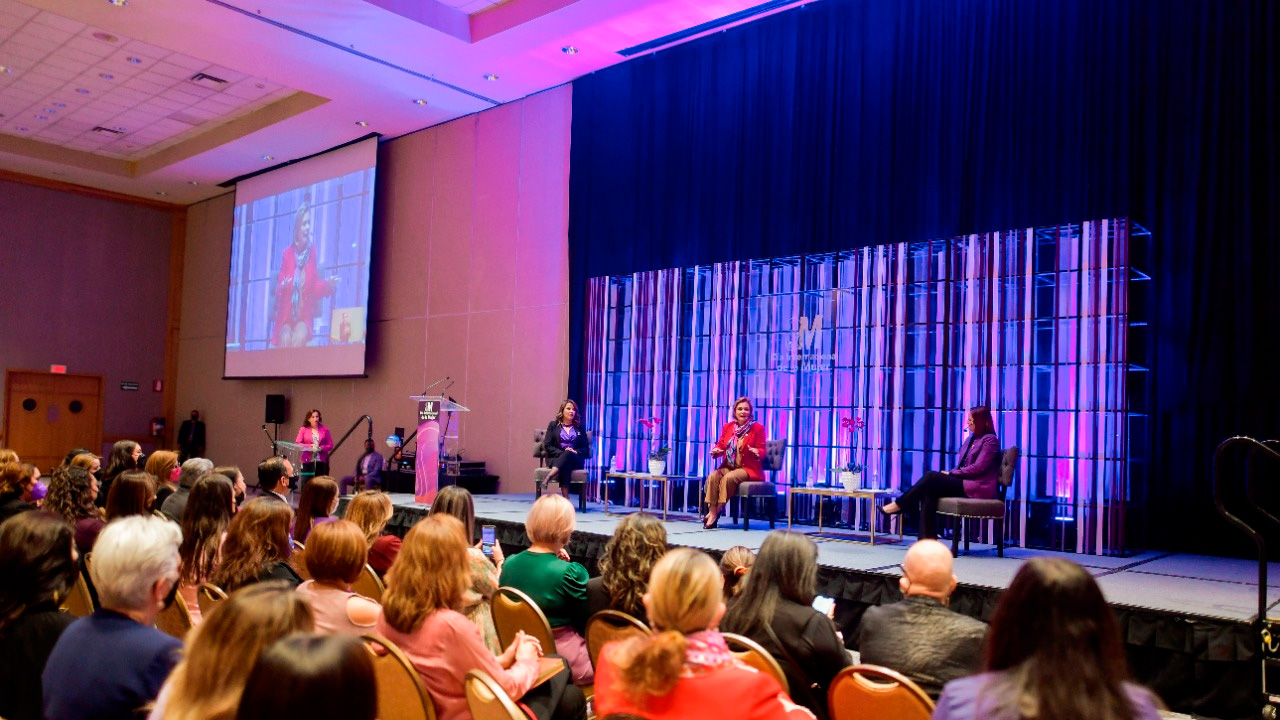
(60, 369)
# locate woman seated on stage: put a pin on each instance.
(565, 445)
(638, 542)
(685, 670)
(257, 547)
(372, 510)
(976, 474)
(426, 582)
(558, 585)
(476, 601)
(316, 504)
(315, 435)
(741, 444)
(335, 557)
(1053, 652)
(204, 527)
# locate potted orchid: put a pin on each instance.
(658, 455)
(851, 473)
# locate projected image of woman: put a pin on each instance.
(299, 288)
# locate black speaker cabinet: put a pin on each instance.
(275, 409)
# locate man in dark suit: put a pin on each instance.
(919, 636)
(191, 437)
(275, 474)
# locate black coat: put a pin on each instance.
(551, 442)
(923, 640)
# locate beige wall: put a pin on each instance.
(469, 279)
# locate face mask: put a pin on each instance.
(293, 482)
(172, 596)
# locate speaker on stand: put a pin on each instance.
(274, 414)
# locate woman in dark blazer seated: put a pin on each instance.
(976, 475)
(565, 445)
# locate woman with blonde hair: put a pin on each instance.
(209, 681)
(734, 566)
(685, 668)
(741, 445)
(316, 505)
(163, 466)
(638, 542)
(372, 510)
(558, 585)
(476, 601)
(257, 547)
(335, 557)
(426, 582)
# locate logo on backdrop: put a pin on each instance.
(805, 351)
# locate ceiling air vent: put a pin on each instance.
(108, 131)
(206, 80)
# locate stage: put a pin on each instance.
(1185, 618)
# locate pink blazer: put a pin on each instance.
(979, 466)
(326, 444)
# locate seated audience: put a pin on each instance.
(257, 547)
(192, 470)
(204, 527)
(17, 480)
(426, 582)
(372, 510)
(775, 608)
(919, 637)
(685, 670)
(368, 471)
(558, 585)
(335, 557)
(209, 681)
(163, 466)
(316, 504)
(238, 486)
(9, 456)
(72, 491)
(312, 676)
(638, 542)
(476, 604)
(275, 476)
(1053, 653)
(112, 663)
(123, 458)
(132, 493)
(38, 564)
(87, 461)
(734, 566)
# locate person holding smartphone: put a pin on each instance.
(484, 566)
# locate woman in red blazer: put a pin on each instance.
(741, 444)
(976, 474)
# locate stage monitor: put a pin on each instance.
(298, 299)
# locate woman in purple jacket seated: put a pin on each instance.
(976, 474)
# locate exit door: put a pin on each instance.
(47, 414)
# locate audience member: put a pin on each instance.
(123, 458)
(734, 566)
(71, 456)
(275, 474)
(368, 470)
(312, 676)
(71, 494)
(638, 542)
(88, 461)
(919, 637)
(113, 662)
(372, 510)
(204, 527)
(191, 471)
(426, 582)
(685, 670)
(257, 547)
(775, 608)
(132, 493)
(316, 504)
(335, 557)
(476, 601)
(163, 466)
(38, 564)
(558, 585)
(1053, 653)
(8, 456)
(17, 480)
(209, 681)
(239, 487)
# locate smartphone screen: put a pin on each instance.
(486, 539)
(823, 604)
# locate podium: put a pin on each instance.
(427, 463)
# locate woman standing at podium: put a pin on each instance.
(564, 445)
(741, 444)
(315, 435)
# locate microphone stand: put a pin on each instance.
(274, 452)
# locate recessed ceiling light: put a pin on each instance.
(490, 77)
(268, 157)
(118, 3)
(192, 182)
(83, 91)
(49, 111)
(106, 76)
(41, 117)
(105, 37)
(260, 86)
(23, 128)
(134, 60)
(569, 50)
(362, 123)
(161, 192)
(117, 128)
(59, 105)
(5, 69)
(419, 101)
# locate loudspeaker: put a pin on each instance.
(275, 409)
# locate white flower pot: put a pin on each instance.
(851, 480)
(657, 467)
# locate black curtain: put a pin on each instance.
(846, 123)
